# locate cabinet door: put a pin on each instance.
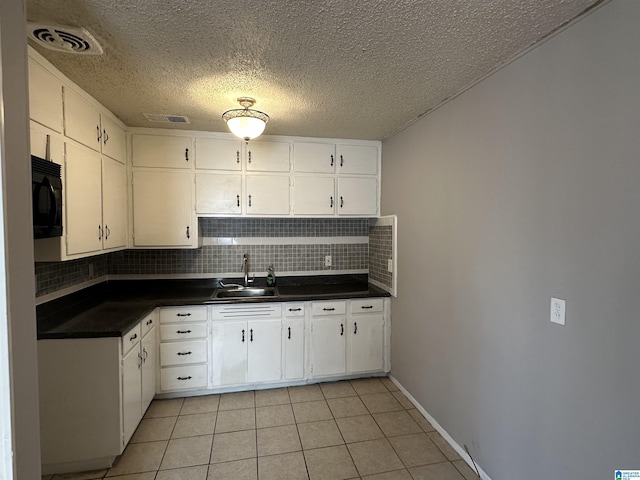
(218, 193)
(83, 191)
(267, 195)
(45, 97)
(366, 343)
(328, 353)
(81, 120)
(114, 204)
(39, 137)
(267, 157)
(149, 366)
(314, 157)
(264, 351)
(114, 142)
(293, 351)
(229, 355)
(218, 154)
(357, 196)
(131, 392)
(313, 195)
(162, 151)
(357, 159)
(163, 209)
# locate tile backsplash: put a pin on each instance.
(291, 245)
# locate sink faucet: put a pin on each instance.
(245, 270)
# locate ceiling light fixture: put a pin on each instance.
(244, 122)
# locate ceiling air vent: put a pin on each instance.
(63, 38)
(161, 118)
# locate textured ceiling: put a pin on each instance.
(333, 68)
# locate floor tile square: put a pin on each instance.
(305, 393)
(312, 411)
(194, 425)
(402, 400)
(465, 470)
(420, 420)
(235, 420)
(320, 434)
(288, 466)
(436, 471)
(237, 400)
(187, 452)
(395, 475)
(139, 457)
(164, 408)
(417, 449)
(154, 429)
(347, 407)
(274, 416)
(238, 470)
(366, 386)
(273, 396)
(337, 389)
(188, 473)
(330, 463)
(202, 404)
(359, 429)
(233, 446)
(374, 456)
(444, 446)
(396, 423)
(381, 402)
(277, 440)
(89, 475)
(392, 387)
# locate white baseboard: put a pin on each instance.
(463, 454)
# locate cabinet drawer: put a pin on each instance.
(328, 308)
(131, 339)
(180, 353)
(367, 305)
(247, 311)
(183, 314)
(183, 332)
(294, 310)
(147, 323)
(183, 378)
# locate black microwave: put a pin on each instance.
(46, 191)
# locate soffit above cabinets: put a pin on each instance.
(341, 69)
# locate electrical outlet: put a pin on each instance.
(327, 260)
(390, 265)
(558, 308)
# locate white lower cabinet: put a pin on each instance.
(328, 340)
(293, 341)
(183, 348)
(246, 343)
(365, 338)
(93, 393)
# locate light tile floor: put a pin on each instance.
(359, 429)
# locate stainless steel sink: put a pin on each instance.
(244, 292)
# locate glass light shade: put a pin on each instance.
(246, 127)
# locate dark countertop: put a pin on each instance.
(111, 308)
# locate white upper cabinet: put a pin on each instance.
(45, 97)
(114, 204)
(357, 159)
(357, 196)
(314, 157)
(267, 194)
(162, 151)
(218, 193)
(40, 138)
(313, 195)
(267, 156)
(114, 140)
(81, 120)
(218, 154)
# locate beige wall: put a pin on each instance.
(18, 245)
(525, 187)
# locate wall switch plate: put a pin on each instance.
(558, 308)
(327, 260)
(390, 265)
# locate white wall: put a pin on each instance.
(525, 187)
(18, 311)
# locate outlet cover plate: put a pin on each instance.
(558, 309)
(327, 260)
